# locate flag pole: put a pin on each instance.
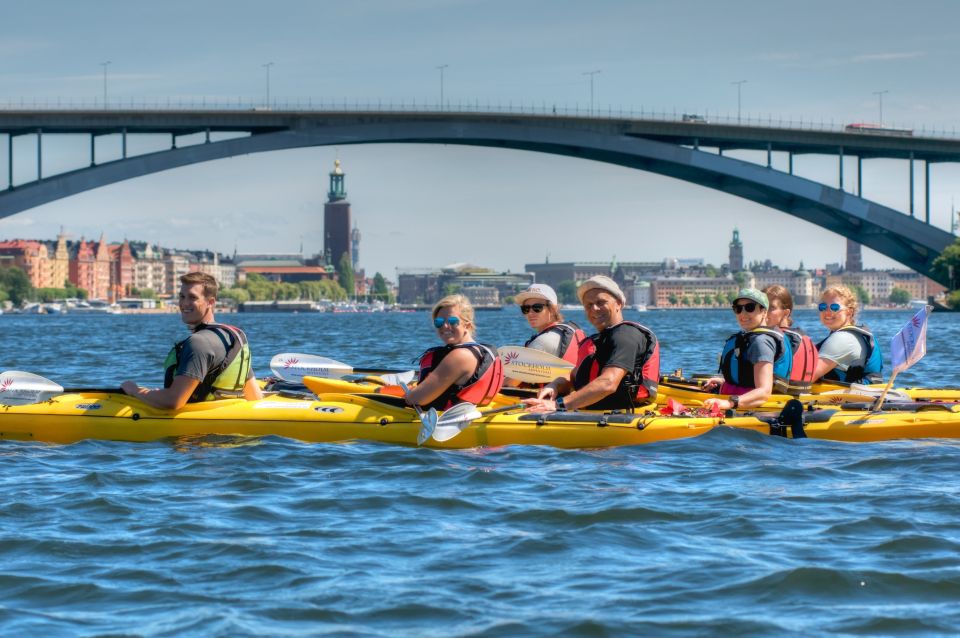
(879, 402)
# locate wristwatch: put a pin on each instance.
(735, 400)
(560, 406)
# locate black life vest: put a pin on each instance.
(226, 379)
(638, 386)
(479, 389)
(867, 367)
(735, 367)
(571, 336)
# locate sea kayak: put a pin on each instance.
(335, 417)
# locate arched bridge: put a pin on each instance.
(671, 148)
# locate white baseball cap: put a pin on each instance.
(603, 283)
(537, 291)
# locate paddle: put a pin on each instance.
(532, 366)
(24, 388)
(456, 419)
(427, 419)
(294, 367)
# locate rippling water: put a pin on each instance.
(728, 533)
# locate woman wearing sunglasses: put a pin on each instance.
(849, 353)
(461, 370)
(750, 358)
(538, 303)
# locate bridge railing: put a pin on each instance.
(542, 108)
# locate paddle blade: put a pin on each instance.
(429, 424)
(532, 366)
(455, 420)
(398, 378)
(294, 367)
(24, 388)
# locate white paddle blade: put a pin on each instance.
(532, 366)
(24, 388)
(398, 378)
(294, 367)
(429, 425)
(455, 420)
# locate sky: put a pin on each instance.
(422, 206)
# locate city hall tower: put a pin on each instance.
(336, 220)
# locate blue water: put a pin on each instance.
(731, 533)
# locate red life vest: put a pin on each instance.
(479, 389)
(640, 383)
(804, 361)
(571, 337)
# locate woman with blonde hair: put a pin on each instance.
(849, 353)
(461, 370)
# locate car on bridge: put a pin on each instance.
(877, 129)
(693, 117)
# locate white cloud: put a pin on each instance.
(886, 57)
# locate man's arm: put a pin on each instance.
(172, 398)
(251, 390)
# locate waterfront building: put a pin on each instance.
(122, 270)
(336, 220)
(799, 283)
(149, 271)
(671, 291)
(482, 286)
(60, 262)
(175, 265)
(877, 283)
(285, 267)
(29, 256)
(556, 273)
(916, 285)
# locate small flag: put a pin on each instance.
(910, 344)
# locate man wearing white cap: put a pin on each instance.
(618, 368)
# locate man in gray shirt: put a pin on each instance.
(214, 361)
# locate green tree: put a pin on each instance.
(953, 299)
(899, 296)
(863, 297)
(380, 289)
(16, 284)
(238, 295)
(946, 267)
(686, 300)
(672, 298)
(345, 275)
(741, 278)
(710, 270)
(567, 291)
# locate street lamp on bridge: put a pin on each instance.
(441, 68)
(739, 84)
(267, 67)
(591, 74)
(879, 95)
(105, 65)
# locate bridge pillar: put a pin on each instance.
(207, 140)
(39, 154)
(790, 161)
(769, 152)
(124, 143)
(93, 149)
(841, 168)
(926, 189)
(911, 184)
(10, 161)
(859, 176)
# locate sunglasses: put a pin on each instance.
(749, 307)
(536, 307)
(834, 307)
(439, 321)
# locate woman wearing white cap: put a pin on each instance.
(553, 335)
(750, 358)
(617, 369)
